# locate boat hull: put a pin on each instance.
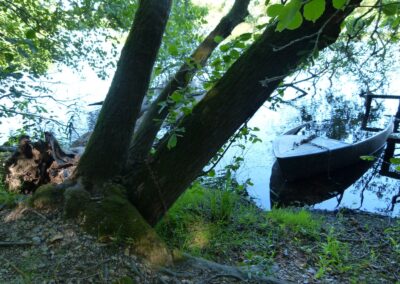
(323, 155)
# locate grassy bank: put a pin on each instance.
(296, 244)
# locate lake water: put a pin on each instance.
(358, 187)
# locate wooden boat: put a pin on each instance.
(301, 156)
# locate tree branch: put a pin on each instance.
(152, 121)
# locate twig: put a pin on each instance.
(224, 275)
(10, 244)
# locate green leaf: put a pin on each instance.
(274, 10)
(172, 141)
(224, 47)
(245, 36)
(211, 173)
(339, 4)
(390, 9)
(173, 50)
(290, 16)
(31, 34)
(395, 161)
(218, 39)
(367, 158)
(313, 10)
(9, 57)
(234, 53)
(176, 97)
(296, 22)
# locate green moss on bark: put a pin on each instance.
(76, 201)
(115, 216)
(47, 197)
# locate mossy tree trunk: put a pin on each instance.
(107, 149)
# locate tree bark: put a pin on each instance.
(107, 149)
(147, 131)
(235, 98)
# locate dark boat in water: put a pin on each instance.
(316, 189)
(303, 156)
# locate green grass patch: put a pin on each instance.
(9, 199)
(226, 227)
(296, 220)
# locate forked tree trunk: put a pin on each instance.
(147, 131)
(235, 98)
(107, 149)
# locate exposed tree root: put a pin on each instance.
(222, 270)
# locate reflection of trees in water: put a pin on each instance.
(383, 188)
(338, 118)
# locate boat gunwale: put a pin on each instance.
(388, 128)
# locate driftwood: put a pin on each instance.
(33, 164)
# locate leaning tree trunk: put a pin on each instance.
(147, 131)
(107, 149)
(235, 98)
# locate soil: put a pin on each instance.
(42, 247)
(371, 243)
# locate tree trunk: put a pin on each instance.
(152, 121)
(235, 98)
(107, 149)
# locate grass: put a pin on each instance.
(334, 256)
(8, 199)
(297, 220)
(224, 226)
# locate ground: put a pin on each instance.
(41, 247)
(295, 245)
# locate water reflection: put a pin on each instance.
(316, 189)
(349, 132)
(371, 191)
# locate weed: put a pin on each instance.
(222, 205)
(393, 235)
(299, 221)
(334, 256)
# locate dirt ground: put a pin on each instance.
(40, 247)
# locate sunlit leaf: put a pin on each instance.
(339, 4)
(296, 22)
(290, 16)
(314, 9)
(274, 10)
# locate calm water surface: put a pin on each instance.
(358, 187)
